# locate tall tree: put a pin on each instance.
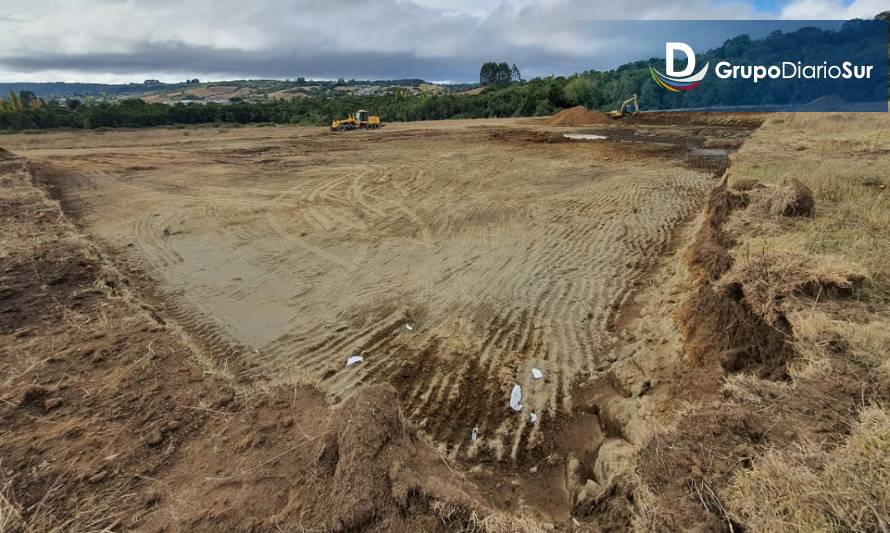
(493, 73)
(514, 74)
(487, 73)
(502, 76)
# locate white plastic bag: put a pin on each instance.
(516, 398)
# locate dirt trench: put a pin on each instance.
(674, 318)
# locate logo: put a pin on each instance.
(683, 80)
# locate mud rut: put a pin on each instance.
(452, 262)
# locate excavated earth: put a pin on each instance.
(453, 256)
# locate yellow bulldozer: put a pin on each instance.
(361, 119)
(623, 108)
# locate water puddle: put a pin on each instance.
(583, 136)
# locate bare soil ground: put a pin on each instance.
(452, 259)
(222, 276)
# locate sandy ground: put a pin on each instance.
(453, 256)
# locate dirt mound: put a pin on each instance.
(375, 464)
(578, 116)
(294, 462)
(5, 154)
(792, 199)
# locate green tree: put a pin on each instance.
(498, 74)
(487, 74)
(503, 74)
(581, 90)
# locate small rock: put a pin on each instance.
(614, 457)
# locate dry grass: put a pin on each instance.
(793, 199)
(506, 523)
(457, 516)
(10, 516)
(845, 161)
(772, 282)
(818, 337)
(102, 511)
(842, 256)
(804, 488)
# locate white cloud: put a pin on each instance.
(125, 39)
(833, 9)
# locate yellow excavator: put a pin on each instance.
(622, 109)
(361, 119)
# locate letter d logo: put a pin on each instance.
(683, 80)
(669, 49)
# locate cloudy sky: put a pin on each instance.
(131, 40)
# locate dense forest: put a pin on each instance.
(506, 94)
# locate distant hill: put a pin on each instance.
(154, 91)
(57, 90)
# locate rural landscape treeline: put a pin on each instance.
(504, 93)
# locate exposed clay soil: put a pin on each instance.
(224, 269)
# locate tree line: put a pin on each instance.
(535, 97)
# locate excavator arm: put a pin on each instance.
(622, 109)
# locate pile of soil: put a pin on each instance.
(792, 199)
(578, 116)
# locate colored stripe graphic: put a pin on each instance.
(675, 85)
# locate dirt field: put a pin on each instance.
(453, 256)
(712, 337)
